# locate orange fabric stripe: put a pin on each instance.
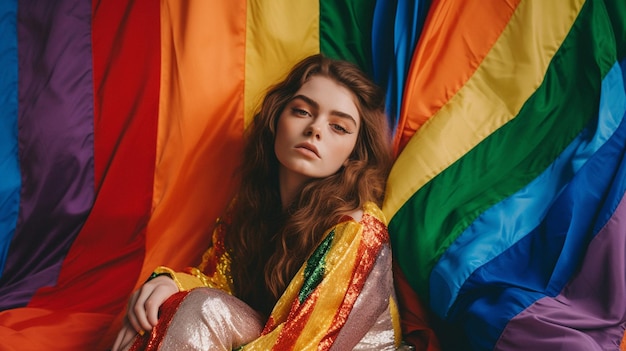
(200, 126)
(456, 38)
(34, 329)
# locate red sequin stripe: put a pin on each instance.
(298, 318)
(374, 235)
(269, 326)
(152, 341)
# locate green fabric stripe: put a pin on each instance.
(616, 10)
(315, 267)
(346, 31)
(512, 156)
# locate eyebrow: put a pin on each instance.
(313, 103)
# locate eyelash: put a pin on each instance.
(339, 128)
(300, 112)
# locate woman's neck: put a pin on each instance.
(289, 185)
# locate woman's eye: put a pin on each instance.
(300, 112)
(340, 129)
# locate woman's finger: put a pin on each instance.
(164, 289)
(139, 309)
(125, 336)
(131, 313)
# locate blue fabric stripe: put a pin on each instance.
(10, 179)
(403, 21)
(543, 262)
(382, 50)
(509, 283)
(510, 220)
(616, 193)
(382, 47)
(410, 18)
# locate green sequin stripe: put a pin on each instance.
(315, 267)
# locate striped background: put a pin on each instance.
(121, 125)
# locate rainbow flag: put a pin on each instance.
(507, 198)
(121, 126)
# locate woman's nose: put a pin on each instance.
(313, 130)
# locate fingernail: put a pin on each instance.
(141, 332)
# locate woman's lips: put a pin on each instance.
(308, 146)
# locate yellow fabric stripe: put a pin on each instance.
(279, 34)
(507, 77)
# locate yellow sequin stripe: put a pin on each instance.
(183, 281)
(193, 278)
(321, 307)
(217, 250)
(374, 210)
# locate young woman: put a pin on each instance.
(302, 258)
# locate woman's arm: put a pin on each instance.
(374, 318)
(143, 305)
(213, 271)
(143, 309)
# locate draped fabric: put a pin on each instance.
(506, 199)
(121, 126)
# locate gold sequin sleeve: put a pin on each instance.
(214, 271)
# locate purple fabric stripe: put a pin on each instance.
(55, 136)
(590, 313)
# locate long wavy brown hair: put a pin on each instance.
(269, 243)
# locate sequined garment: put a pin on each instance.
(342, 298)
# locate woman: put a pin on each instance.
(302, 259)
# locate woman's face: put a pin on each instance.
(316, 131)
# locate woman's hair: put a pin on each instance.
(268, 244)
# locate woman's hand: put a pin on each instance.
(143, 309)
(124, 338)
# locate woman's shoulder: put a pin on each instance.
(356, 215)
(368, 209)
(367, 224)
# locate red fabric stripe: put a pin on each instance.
(415, 321)
(101, 268)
